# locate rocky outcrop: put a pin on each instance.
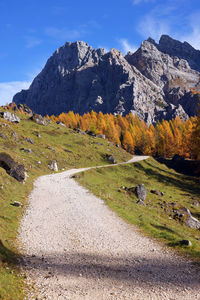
(12, 168)
(172, 74)
(10, 117)
(151, 82)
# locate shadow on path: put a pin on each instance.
(123, 269)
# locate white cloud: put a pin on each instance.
(63, 33)
(126, 46)
(9, 89)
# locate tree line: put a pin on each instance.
(165, 139)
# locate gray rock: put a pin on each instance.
(24, 108)
(12, 168)
(50, 148)
(38, 119)
(140, 202)
(60, 123)
(141, 192)
(102, 136)
(196, 203)
(185, 243)
(29, 140)
(10, 117)
(110, 158)
(27, 150)
(184, 215)
(53, 166)
(17, 204)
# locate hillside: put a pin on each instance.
(35, 146)
(155, 82)
(162, 214)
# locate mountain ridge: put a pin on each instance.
(151, 83)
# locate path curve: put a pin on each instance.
(75, 247)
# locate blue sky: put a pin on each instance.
(31, 30)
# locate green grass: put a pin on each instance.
(154, 219)
(72, 150)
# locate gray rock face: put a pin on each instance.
(151, 82)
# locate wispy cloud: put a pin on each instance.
(126, 46)
(32, 42)
(9, 89)
(164, 18)
(153, 27)
(193, 35)
(64, 33)
(136, 2)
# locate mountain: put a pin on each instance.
(155, 82)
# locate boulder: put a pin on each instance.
(38, 119)
(184, 215)
(185, 243)
(10, 117)
(102, 136)
(110, 158)
(17, 204)
(141, 192)
(12, 168)
(89, 132)
(60, 123)
(53, 166)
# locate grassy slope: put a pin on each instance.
(71, 150)
(151, 219)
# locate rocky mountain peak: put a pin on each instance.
(154, 82)
(183, 50)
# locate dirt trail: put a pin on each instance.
(74, 247)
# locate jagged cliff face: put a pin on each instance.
(151, 82)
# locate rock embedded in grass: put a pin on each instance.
(12, 168)
(184, 215)
(17, 204)
(141, 191)
(110, 158)
(185, 243)
(10, 117)
(53, 166)
(29, 140)
(38, 119)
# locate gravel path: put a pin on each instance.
(74, 247)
